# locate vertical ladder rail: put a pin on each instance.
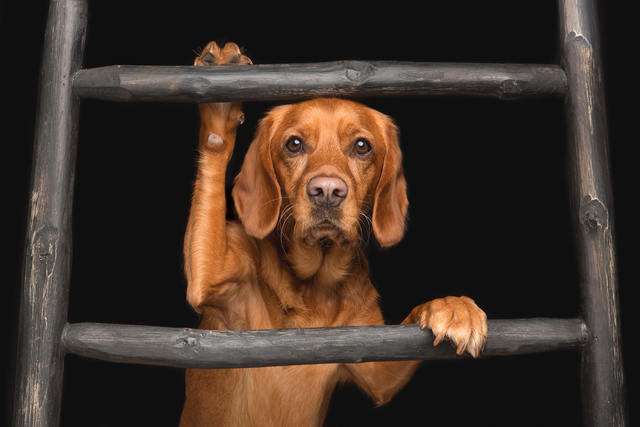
(603, 385)
(47, 265)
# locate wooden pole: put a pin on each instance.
(193, 348)
(298, 81)
(592, 205)
(47, 265)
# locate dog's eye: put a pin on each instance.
(362, 147)
(294, 144)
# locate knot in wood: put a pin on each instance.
(593, 214)
(358, 72)
(190, 341)
(511, 89)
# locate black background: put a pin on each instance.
(489, 215)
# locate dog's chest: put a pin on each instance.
(301, 391)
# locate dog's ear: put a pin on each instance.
(391, 203)
(256, 192)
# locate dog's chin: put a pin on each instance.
(327, 231)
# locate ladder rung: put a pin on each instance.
(298, 81)
(194, 348)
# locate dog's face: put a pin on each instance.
(328, 159)
(318, 169)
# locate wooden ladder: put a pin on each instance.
(45, 336)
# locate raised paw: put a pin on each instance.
(455, 319)
(229, 54)
(220, 120)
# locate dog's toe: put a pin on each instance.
(229, 54)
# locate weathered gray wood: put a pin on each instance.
(602, 372)
(299, 81)
(193, 348)
(47, 265)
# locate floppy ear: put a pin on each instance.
(256, 191)
(391, 203)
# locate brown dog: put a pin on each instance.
(315, 174)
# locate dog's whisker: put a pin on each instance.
(364, 224)
(283, 234)
(270, 201)
(285, 216)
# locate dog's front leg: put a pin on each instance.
(455, 319)
(211, 259)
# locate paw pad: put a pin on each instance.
(215, 139)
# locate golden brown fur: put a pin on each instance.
(294, 260)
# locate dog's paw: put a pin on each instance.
(455, 319)
(229, 54)
(220, 120)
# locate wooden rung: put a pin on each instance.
(194, 348)
(298, 81)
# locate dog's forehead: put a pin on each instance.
(331, 115)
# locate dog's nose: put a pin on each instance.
(327, 191)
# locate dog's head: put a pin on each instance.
(321, 167)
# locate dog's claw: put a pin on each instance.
(438, 339)
(461, 348)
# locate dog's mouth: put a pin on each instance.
(326, 229)
(327, 226)
(312, 223)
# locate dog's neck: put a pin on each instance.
(311, 288)
(316, 281)
(322, 261)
